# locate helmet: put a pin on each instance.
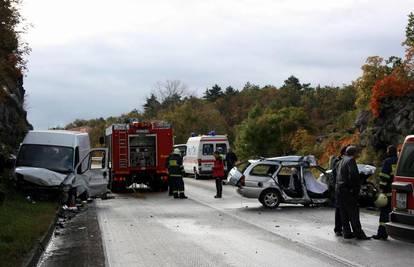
(177, 151)
(381, 200)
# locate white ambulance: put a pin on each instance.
(199, 159)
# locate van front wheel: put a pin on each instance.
(270, 198)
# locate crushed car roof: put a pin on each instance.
(289, 160)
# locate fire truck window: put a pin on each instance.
(406, 164)
(222, 147)
(208, 149)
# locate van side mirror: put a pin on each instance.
(79, 169)
(101, 140)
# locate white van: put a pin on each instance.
(54, 159)
(199, 159)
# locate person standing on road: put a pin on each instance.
(231, 159)
(334, 166)
(386, 178)
(218, 173)
(347, 190)
(175, 173)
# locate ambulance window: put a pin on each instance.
(406, 164)
(222, 147)
(208, 149)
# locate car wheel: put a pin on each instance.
(270, 198)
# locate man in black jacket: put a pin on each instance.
(334, 166)
(347, 190)
(231, 159)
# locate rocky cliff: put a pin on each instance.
(13, 117)
(394, 123)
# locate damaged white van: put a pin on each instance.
(61, 160)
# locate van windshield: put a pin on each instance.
(406, 163)
(54, 158)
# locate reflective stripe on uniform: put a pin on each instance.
(383, 183)
(388, 194)
(175, 175)
(384, 175)
(172, 162)
(393, 168)
(382, 223)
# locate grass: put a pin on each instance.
(22, 224)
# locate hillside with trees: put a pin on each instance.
(13, 122)
(295, 117)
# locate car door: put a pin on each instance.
(95, 175)
(261, 173)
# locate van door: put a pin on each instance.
(96, 173)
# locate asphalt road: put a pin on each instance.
(152, 229)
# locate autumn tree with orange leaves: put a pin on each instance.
(399, 82)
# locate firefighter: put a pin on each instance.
(218, 173)
(175, 173)
(347, 191)
(386, 178)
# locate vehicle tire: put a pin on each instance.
(270, 198)
(84, 196)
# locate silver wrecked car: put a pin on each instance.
(288, 179)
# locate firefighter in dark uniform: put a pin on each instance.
(175, 173)
(386, 178)
(347, 189)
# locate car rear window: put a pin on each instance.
(263, 170)
(241, 167)
(406, 162)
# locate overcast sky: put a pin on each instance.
(98, 58)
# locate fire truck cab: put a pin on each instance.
(401, 225)
(137, 154)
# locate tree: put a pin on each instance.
(213, 94)
(12, 49)
(151, 106)
(372, 71)
(170, 93)
(195, 116)
(409, 31)
(230, 91)
(269, 133)
(291, 92)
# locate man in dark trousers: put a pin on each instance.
(386, 178)
(218, 173)
(231, 159)
(334, 166)
(175, 173)
(347, 190)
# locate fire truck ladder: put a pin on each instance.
(123, 150)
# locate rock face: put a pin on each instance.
(395, 122)
(13, 117)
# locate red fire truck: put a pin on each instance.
(137, 154)
(401, 225)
